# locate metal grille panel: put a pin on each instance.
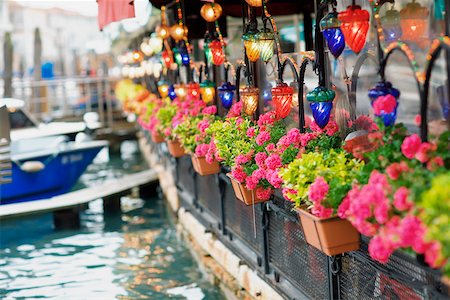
(209, 194)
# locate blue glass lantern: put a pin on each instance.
(330, 27)
(226, 94)
(172, 94)
(267, 94)
(184, 57)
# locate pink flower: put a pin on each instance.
(239, 121)
(293, 136)
(418, 120)
(411, 145)
(305, 138)
(401, 199)
(267, 118)
(376, 178)
(203, 125)
(381, 211)
(167, 132)
(201, 150)
(344, 207)
(435, 163)
(260, 158)
(239, 174)
(242, 159)
(287, 192)
(263, 194)
(366, 123)
(274, 179)
(210, 110)
(262, 137)
(235, 110)
(422, 153)
(384, 104)
(380, 249)
(433, 255)
(394, 170)
(270, 147)
(412, 233)
(318, 190)
(251, 182)
(273, 161)
(251, 132)
(259, 174)
(331, 128)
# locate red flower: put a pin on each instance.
(394, 170)
(411, 145)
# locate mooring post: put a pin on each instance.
(148, 190)
(111, 204)
(68, 218)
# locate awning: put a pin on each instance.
(114, 10)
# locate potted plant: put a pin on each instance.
(317, 183)
(194, 137)
(241, 145)
(165, 116)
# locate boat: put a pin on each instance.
(46, 165)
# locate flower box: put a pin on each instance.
(332, 235)
(175, 148)
(202, 167)
(157, 138)
(242, 193)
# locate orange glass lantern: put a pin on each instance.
(217, 55)
(163, 31)
(180, 91)
(282, 99)
(211, 11)
(163, 89)
(250, 98)
(137, 56)
(178, 32)
(255, 3)
(167, 58)
(414, 21)
(251, 46)
(193, 91)
(207, 91)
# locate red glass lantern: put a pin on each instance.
(193, 91)
(167, 59)
(414, 21)
(282, 99)
(218, 57)
(354, 26)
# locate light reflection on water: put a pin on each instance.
(133, 255)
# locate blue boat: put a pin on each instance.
(45, 166)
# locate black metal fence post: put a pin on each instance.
(222, 187)
(334, 266)
(265, 241)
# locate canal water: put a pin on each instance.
(135, 254)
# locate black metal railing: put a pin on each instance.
(269, 238)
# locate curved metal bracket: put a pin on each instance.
(239, 67)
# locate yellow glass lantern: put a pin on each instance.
(255, 3)
(250, 98)
(180, 91)
(211, 11)
(207, 91)
(178, 32)
(163, 89)
(251, 46)
(414, 21)
(163, 31)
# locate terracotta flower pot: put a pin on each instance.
(175, 148)
(157, 138)
(202, 167)
(242, 193)
(446, 280)
(331, 235)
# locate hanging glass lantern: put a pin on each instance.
(251, 45)
(249, 97)
(414, 21)
(193, 91)
(267, 93)
(137, 56)
(226, 94)
(185, 60)
(282, 99)
(167, 59)
(172, 95)
(178, 32)
(208, 52)
(217, 55)
(163, 31)
(355, 25)
(177, 55)
(156, 43)
(146, 48)
(207, 91)
(391, 25)
(211, 11)
(330, 27)
(180, 91)
(163, 88)
(266, 42)
(255, 3)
